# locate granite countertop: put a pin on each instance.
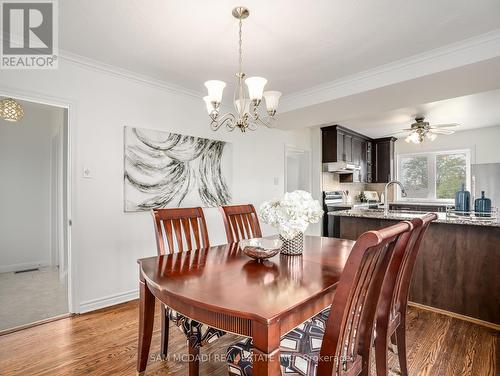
(422, 203)
(351, 205)
(407, 215)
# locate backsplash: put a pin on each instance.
(331, 183)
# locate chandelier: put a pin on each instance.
(247, 115)
(10, 110)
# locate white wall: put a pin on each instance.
(106, 242)
(25, 165)
(483, 143)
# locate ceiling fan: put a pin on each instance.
(422, 130)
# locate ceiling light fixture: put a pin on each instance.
(421, 130)
(246, 116)
(10, 110)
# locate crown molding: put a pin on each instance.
(469, 51)
(118, 72)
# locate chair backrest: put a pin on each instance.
(241, 222)
(402, 286)
(349, 329)
(176, 229)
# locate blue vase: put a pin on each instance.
(462, 201)
(482, 206)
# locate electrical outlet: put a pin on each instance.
(276, 180)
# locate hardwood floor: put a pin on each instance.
(104, 343)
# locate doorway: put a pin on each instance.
(34, 247)
(297, 169)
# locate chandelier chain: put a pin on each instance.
(240, 41)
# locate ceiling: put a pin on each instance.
(470, 111)
(296, 47)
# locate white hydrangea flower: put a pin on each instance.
(292, 214)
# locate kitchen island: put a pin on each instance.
(457, 267)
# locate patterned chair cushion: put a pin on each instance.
(299, 351)
(197, 334)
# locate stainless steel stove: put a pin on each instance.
(332, 201)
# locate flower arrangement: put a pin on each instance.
(292, 214)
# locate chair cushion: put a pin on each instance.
(198, 334)
(299, 351)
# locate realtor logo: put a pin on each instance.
(29, 31)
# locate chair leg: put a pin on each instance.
(381, 354)
(164, 332)
(401, 344)
(194, 361)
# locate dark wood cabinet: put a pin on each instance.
(383, 160)
(331, 145)
(348, 148)
(340, 147)
(457, 267)
(343, 145)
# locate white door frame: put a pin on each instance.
(70, 106)
(290, 148)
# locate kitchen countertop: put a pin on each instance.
(351, 205)
(406, 215)
(422, 203)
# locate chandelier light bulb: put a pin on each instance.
(272, 100)
(238, 106)
(255, 87)
(209, 104)
(215, 89)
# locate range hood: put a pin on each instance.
(341, 167)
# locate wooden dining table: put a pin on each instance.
(222, 287)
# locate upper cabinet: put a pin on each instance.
(340, 144)
(383, 166)
(375, 157)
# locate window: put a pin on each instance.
(434, 175)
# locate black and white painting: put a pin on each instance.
(164, 169)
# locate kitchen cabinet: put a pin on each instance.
(383, 166)
(456, 269)
(340, 144)
(332, 146)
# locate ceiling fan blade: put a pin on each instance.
(441, 131)
(401, 132)
(451, 125)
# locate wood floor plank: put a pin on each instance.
(105, 343)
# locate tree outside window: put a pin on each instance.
(451, 170)
(434, 175)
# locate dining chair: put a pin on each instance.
(241, 222)
(342, 346)
(391, 310)
(179, 230)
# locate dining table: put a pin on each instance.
(224, 288)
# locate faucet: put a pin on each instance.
(386, 203)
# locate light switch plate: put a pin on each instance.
(86, 173)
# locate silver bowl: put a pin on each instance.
(260, 248)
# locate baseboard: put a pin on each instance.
(33, 324)
(107, 301)
(23, 266)
(456, 315)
